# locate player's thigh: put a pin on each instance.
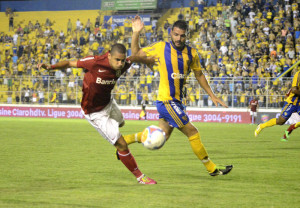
(115, 113)
(172, 112)
(107, 127)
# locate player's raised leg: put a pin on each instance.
(194, 138)
(137, 137)
(133, 138)
(128, 160)
(272, 122)
(109, 130)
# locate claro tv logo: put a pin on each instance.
(178, 76)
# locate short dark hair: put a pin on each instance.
(181, 24)
(118, 47)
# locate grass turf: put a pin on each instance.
(66, 163)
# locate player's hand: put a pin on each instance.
(137, 24)
(45, 66)
(217, 101)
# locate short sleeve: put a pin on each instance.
(86, 62)
(295, 80)
(152, 49)
(195, 66)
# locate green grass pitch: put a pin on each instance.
(66, 163)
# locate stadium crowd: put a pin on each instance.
(243, 45)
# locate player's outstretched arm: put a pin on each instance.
(137, 26)
(59, 65)
(149, 61)
(204, 84)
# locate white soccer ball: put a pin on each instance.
(153, 137)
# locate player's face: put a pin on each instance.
(117, 60)
(178, 37)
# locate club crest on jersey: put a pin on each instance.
(184, 117)
(189, 63)
(118, 73)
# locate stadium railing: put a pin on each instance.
(235, 91)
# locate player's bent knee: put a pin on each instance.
(167, 135)
(195, 137)
(280, 121)
(121, 144)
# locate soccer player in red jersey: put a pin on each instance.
(253, 109)
(98, 105)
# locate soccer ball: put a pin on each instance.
(153, 137)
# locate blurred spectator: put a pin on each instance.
(11, 21)
(78, 24)
(69, 26)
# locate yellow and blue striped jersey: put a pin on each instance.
(174, 66)
(292, 98)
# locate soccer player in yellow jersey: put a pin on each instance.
(291, 105)
(175, 59)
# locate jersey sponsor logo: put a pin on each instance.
(105, 82)
(176, 108)
(101, 70)
(178, 76)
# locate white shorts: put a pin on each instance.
(295, 118)
(253, 113)
(107, 121)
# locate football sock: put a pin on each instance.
(129, 161)
(132, 138)
(269, 123)
(201, 153)
(291, 128)
(297, 125)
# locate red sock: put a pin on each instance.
(129, 161)
(291, 128)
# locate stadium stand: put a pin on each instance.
(243, 46)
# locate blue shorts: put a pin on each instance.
(288, 109)
(173, 112)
